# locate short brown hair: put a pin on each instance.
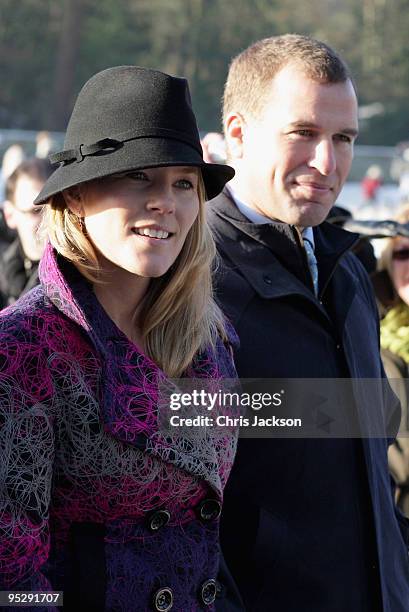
(251, 71)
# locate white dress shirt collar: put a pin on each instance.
(255, 217)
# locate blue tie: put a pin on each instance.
(312, 263)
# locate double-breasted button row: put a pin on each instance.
(208, 510)
(163, 598)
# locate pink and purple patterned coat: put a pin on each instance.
(94, 500)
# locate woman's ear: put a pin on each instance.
(73, 200)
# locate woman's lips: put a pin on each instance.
(153, 233)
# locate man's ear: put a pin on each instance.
(73, 200)
(9, 214)
(234, 128)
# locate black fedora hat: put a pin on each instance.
(129, 118)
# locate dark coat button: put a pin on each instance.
(209, 509)
(163, 600)
(267, 279)
(208, 592)
(158, 519)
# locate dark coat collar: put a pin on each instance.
(273, 246)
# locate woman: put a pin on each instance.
(96, 500)
(393, 294)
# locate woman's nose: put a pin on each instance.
(162, 200)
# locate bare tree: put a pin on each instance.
(66, 60)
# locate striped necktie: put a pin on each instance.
(312, 263)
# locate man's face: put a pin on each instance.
(292, 162)
(24, 217)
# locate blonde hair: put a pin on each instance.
(179, 316)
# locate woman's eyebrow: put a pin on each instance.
(188, 169)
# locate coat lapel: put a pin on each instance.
(277, 269)
(130, 381)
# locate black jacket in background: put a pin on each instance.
(308, 525)
(17, 274)
(7, 235)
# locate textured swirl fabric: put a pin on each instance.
(84, 464)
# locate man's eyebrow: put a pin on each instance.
(308, 124)
(350, 131)
(303, 124)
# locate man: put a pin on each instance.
(19, 262)
(309, 525)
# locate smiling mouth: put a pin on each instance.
(152, 233)
(317, 186)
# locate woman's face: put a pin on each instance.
(400, 267)
(139, 221)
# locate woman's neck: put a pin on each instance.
(121, 298)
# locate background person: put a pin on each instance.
(371, 183)
(394, 261)
(308, 524)
(44, 144)
(19, 261)
(95, 500)
(214, 147)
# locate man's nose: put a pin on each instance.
(162, 200)
(324, 159)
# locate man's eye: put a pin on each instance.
(184, 184)
(343, 138)
(304, 133)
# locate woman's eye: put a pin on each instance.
(184, 184)
(138, 175)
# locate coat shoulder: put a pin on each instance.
(35, 339)
(233, 292)
(34, 319)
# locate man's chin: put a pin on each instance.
(310, 214)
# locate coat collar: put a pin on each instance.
(275, 246)
(129, 380)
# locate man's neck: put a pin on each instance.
(255, 217)
(252, 215)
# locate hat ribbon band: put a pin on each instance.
(82, 151)
(112, 144)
